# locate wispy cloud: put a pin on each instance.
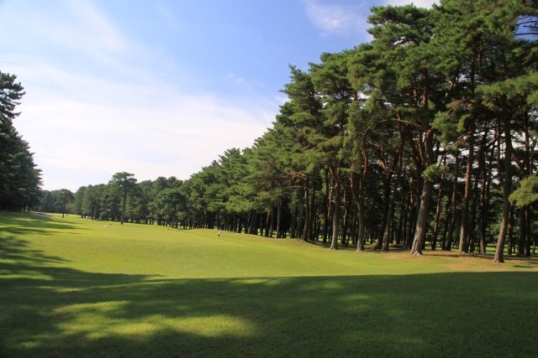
(336, 19)
(91, 110)
(69, 30)
(242, 82)
(102, 127)
(94, 29)
(166, 15)
(344, 20)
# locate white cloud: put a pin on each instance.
(97, 127)
(342, 19)
(336, 19)
(79, 26)
(70, 30)
(97, 102)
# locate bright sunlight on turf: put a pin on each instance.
(77, 287)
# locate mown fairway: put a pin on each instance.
(74, 288)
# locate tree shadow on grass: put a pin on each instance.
(22, 223)
(53, 311)
(525, 261)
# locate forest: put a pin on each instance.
(423, 138)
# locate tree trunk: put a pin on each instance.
(422, 218)
(507, 188)
(357, 185)
(314, 231)
(386, 208)
(336, 213)
(279, 219)
(387, 235)
(423, 210)
(326, 208)
(438, 209)
(345, 221)
(464, 225)
(123, 207)
(307, 220)
(448, 243)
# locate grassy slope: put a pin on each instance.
(73, 287)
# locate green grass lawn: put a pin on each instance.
(80, 288)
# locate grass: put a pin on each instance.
(76, 287)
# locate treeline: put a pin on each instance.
(55, 201)
(424, 137)
(160, 202)
(20, 179)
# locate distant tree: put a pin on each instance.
(56, 201)
(125, 183)
(66, 197)
(46, 202)
(172, 201)
(88, 201)
(206, 196)
(140, 204)
(77, 199)
(269, 178)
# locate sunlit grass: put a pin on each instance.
(78, 287)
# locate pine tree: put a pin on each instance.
(20, 178)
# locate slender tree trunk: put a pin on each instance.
(438, 209)
(483, 193)
(345, 221)
(279, 219)
(299, 224)
(123, 207)
(402, 223)
(435, 231)
(267, 223)
(472, 235)
(464, 225)
(326, 207)
(529, 240)
(410, 218)
(336, 211)
(307, 220)
(357, 183)
(314, 229)
(444, 239)
(387, 234)
(293, 225)
(64, 201)
(507, 188)
(525, 212)
(448, 243)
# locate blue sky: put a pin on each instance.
(160, 88)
